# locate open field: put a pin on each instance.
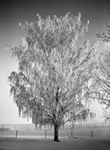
(88, 138)
(48, 144)
(63, 133)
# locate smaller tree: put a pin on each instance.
(105, 36)
(103, 90)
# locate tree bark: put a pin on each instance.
(56, 129)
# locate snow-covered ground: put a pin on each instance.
(64, 144)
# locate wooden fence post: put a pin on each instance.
(16, 134)
(91, 133)
(72, 132)
(45, 133)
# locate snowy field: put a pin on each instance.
(84, 138)
(64, 144)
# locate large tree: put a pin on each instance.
(54, 73)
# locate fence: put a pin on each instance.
(29, 131)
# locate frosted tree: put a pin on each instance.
(103, 90)
(105, 36)
(54, 74)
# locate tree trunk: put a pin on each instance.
(56, 129)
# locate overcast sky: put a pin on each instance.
(14, 12)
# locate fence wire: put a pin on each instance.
(80, 130)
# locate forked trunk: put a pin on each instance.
(56, 129)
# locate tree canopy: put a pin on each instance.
(54, 74)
